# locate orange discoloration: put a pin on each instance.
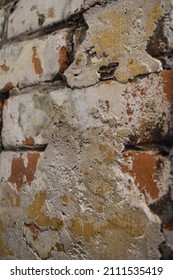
(169, 225)
(36, 214)
(4, 68)
(34, 230)
(82, 227)
(107, 82)
(21, 175)
(129, 110)
(65, 200)
(5, 104)
(36, 61)
(108, 152)
(4, 250)
(29, 141)
(63, 60)
(8, 86)
(167, 79)
(102, 190)
(50, 13)
(144, 165)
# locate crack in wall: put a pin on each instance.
(31, 248)
(72, 22)
(36, 231)
(4, 95)
(77, 26)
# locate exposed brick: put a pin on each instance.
(169, 225)
(26, 63)
(29, 141)
(85, 168)
(63, 60)
(143, 114)
(167, 76)
(37, 63)
(35, 231)
(22, 175)
(150, 172)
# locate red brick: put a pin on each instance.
(167, 79)
(144, 165)
(19, 172)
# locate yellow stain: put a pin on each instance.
(4, 251)
(154, 15)
(36, 214)
(111, 39)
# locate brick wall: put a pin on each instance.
(86, 116)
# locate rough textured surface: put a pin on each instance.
(2, 19)
(40, 55)
(137, 113)
(43, 14)
(118, 34)
(86, 117)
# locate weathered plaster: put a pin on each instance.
(86, 117)
(118, 33)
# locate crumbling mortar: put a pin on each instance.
(71, 22)
(160, 148)
(37, 148)
(73, 26)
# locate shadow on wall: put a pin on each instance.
(164, 207)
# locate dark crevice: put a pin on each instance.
(107, 71)
(36, 148)
(81, 28)
(4, 3)
(158, 45)
(40, 32)
(164, 210)
(161, 149)
(13, 7)
(4, 94)
(9, 8)
(72, 22)
(166, 251)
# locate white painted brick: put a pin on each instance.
(51, 11)
(33, 61)
(25, 118)
(135, 112)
